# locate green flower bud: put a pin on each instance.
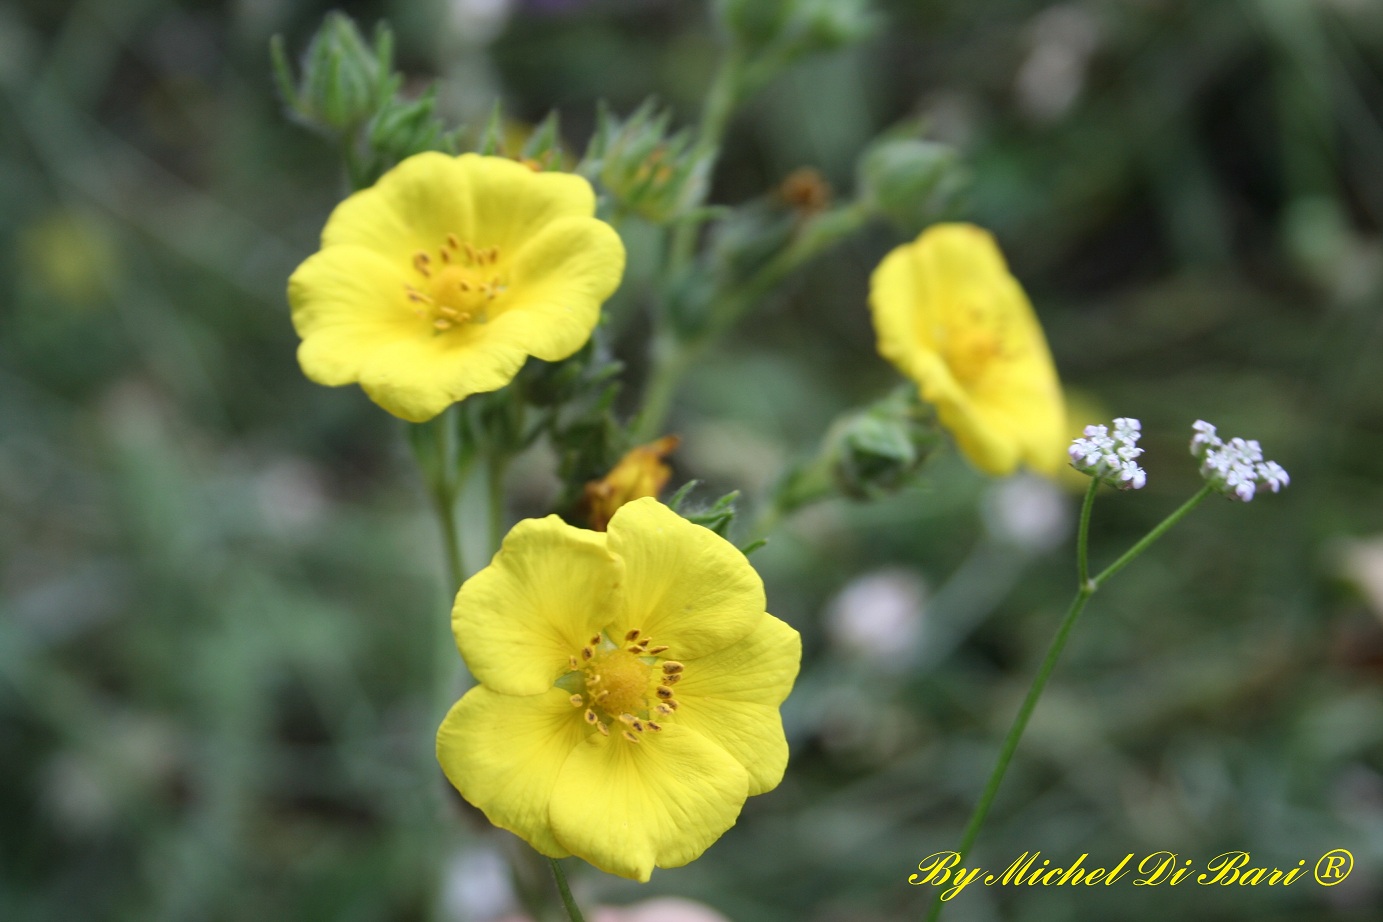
(792, 29)
(909, 180)
(344, 80)
(878, 451)
(401, 129)
(647, 170)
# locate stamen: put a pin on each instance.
(664, 710)
(587, 653)
(590, 717)
(629, 719)
(630, 737)
(420, 261)
(656, 728)
(452, 242)
(658, 649)
(594, 641)
(671, 667)
(632, 635)
(672, 703)
(664, 692)
(576, 701)
(571, 660)
(672, 679)
(603, 728)
(445, 254)
(442, 323)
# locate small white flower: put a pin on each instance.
(1235, 468)
(1111, 459)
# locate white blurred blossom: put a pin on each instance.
(1028, 511)
(878, 617)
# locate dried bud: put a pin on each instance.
(641, 472)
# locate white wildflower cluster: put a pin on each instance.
(1111, 458)
(1235, 468)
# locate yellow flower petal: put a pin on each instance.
(626, 807)
(419, 377)
(346, 303)
(511, 203)
(684, 585)
(512, 782)
(732, 697)
(519, 620)
(950, 316)
(559, 279)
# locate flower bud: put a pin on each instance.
(402, 129)
(877, 451)
(909, 180)
(647, 170)
(344, 80)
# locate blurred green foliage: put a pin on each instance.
(222, 600)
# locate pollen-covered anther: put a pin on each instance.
(571, 661)
(577, 701)
(587, 653)
(631, 737)
(655, 727)
(632, 636)
(672, 703)
(420, 262)
(664, 692)
(658, 649)
(672, 679)
(603, 728)
(671, 667)
(594, 641)
(591, 718)
(661, 709)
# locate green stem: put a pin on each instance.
(573, 911)
(1085, 590)
(1083, 534)
(715, 117)
(498, 465)
(1152, 536)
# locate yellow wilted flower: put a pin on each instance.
(629, 689)
(441, 279)
(641, 472)
(951, 317)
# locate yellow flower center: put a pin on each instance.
(630, 684)
(974, 340)
(457, 287)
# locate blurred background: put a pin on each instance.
(222, 589)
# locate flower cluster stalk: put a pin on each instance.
(1086, 588)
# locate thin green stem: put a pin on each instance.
(715, 118)
(1083, 534)
(573, 911)
(1085, 590)
(1152, 536)
(495, 471)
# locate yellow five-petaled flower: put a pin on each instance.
(441, 279)
(951, 317)
(629, 689)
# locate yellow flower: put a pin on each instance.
(641, 472)
(951, 317)
(441, 279)
(629, 689)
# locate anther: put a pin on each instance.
(672, 679)
(420, 261)
(671, 667)
(629, 719)
(658, 649)
(445, 254)
(632, 635)
(630, 737)
(594, 641)
(664, 710)
(604, 729)
(587, 653)
(654, 726)
(442, 323)
(453, 242)
(600, 695)
(576, 701)
(591, 718)
(664, 692)
(672, 703)
(571, 660)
